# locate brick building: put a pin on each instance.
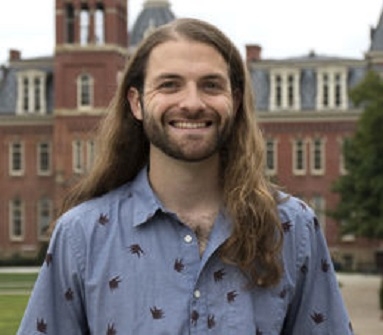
(50, 107)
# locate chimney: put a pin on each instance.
(253, 52)
(14, 55)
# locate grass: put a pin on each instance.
(14, 294)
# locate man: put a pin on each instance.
(177, 230)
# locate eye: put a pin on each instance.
(168, 86)
(213, 86)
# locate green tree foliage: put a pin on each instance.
(361, 189)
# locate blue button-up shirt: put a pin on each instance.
(123, 264)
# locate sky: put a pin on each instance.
(283, 28)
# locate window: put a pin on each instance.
(25, 95)
(271, 157)
(44, 158)
(78, 156)
(332, 88)
(99, 24)
(284, 89)
(318, 204)
(44, 215)
(84, 91)
(317, 156)
(299, 157)
(16, 219)
(84, 25)
(31, 92)
(69, 23)
(91, 153)
(16, 159)
(342, 162)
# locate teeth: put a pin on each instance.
(190, 125)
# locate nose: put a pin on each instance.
(191, 99)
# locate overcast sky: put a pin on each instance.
(284, 28)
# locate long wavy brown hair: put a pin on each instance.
(249, 198)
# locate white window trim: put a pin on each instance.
(12, 237)
(12, 172)
(331, 72)
(303, 171)
(313, 170)
(80, 106)
(41, 172)
(284, 74)
(31, 75)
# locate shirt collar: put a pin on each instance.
(146, 202)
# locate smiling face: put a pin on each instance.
(187, 107)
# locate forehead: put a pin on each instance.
(185, 57)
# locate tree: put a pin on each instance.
(361, 190)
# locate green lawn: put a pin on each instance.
(14, 295)
(11, 311)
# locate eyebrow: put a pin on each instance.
(210, 76)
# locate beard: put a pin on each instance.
(189, 147)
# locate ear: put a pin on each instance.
(135, 103)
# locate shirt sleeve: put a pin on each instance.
(317, 306)
(56, 305)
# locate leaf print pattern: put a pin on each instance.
(178, 265)
(48, 259)
(194, 317)
(218, 275)
(325, 265)
(211, 321)
(286, 226)
(231, 296)
(114, 282)
(69, 295)
(317, 317)
(157, 313)
(111, 330)
(103, 219)
(136, 249)
(41, 326)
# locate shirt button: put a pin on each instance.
(188, 238)
(197, 294)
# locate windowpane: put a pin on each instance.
(44, 217)
(16, 157)
(78, 164)
(44, 157)
(70, 20)
(299, 155)
(85, 88)
(37, 94)
(270, 155)
(16, 208)
(317, 154)
(84, 26)
(25, 95)
(99, 24)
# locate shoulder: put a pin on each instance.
(96, 210)
(295, 211)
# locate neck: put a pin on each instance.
(185, 187)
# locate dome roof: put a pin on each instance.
(154, 14)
